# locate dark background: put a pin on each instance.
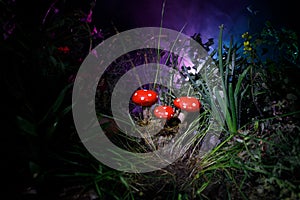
(201, 17)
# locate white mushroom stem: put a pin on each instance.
(146, 113)
(182, 116)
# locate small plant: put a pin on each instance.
(242, 155)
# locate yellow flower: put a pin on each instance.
(246, 43)
(247, 48)
(245, 35)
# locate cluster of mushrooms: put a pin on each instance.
(147, 98)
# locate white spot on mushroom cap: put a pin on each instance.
(194, 104)
(149, 95)
(166, 113)
(135, 94)
(142, 98)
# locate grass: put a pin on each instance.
(239, 163)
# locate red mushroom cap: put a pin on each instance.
(144, 97)
(189, 104)
(165, 112)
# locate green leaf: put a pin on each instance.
(256, 125)
(233, 108)
(26, 126)
(224, 108)
(55, 107)
(34, 168)
(124, 182)
(239, 82)
(52, 128)
(53, 60)
(66, 110)
(60, 99)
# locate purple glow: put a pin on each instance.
(198, 16)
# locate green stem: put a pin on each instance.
(233, 127)
(220, 55)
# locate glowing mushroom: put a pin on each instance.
(145, 98)
(186, 104)
(164, 112)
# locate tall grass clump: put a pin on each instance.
(250, 161)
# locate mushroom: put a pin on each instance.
(186, 104)
(171, 125)
(164, 112)
(145, 98)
